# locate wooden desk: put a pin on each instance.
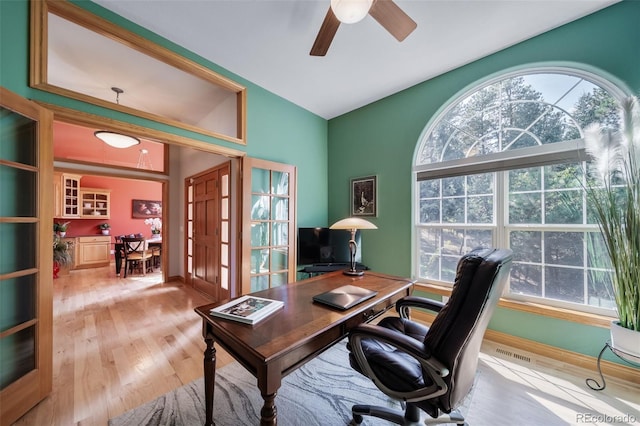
(287, 339)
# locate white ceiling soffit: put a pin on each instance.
(268, 41)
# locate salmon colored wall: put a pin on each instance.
(122, 192)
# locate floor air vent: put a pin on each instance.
(509, 354)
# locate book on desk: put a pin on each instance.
(247, 309)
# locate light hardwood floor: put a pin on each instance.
(119, 343)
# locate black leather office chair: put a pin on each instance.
(432, 368)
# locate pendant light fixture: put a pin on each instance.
(114, 139)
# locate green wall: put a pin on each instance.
(277, 130)
(380, 139)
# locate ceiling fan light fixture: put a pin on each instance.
(351, 11)
(116, 140)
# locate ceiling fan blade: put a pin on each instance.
(325, 35)
(392, 18)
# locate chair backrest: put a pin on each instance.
(131, 245)
(456, 334)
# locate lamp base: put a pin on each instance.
(353, 272)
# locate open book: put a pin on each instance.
(247, 309)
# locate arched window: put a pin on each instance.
(501, 165)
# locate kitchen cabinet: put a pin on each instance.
(93, 251)
(66, 193)
(95, 203)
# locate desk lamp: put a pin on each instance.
(353, 224)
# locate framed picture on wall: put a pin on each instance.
(364, 196)
(143, 209)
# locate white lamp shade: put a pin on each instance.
(350, 11)
(116, 140)
(353, 223)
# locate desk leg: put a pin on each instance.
(269, 413)
(209, 379)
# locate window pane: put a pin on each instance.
(280, 209)
(480, 184)
(525, 208)
(429, 188)
(430, 240)
(260, 207)
(279, 279)
(563, 207)
(480, 209)
(563, 248)
(17, 301)
(280, 183)
(453, 210)
(14, 183)
(525, 179)
(526, 246)
(260, 181)
(18, 355)
(260, 234)
(19, 138)
(564, 284)
(526, 279)
(279, 259)
(279, 236)
(430, 211)
(440, 250)
(478, 238)
(453, 186)
(21, 237)
(259, 261)
(259, 282)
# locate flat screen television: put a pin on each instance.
(317, 246)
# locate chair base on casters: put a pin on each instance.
(411, 417)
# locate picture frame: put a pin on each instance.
(143, 209)
(364, 196)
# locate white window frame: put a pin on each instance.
(559, 152)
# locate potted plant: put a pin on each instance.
(61, 228)
(61, 254)
(104, 227)
(613, 192)
(156, 225)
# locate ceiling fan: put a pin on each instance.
(386, 12)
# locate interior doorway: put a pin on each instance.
(182, 156)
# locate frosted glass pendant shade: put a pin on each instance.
(350, 11)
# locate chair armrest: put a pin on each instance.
(403, 305)
(415, 348)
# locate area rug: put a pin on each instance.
(319, 393)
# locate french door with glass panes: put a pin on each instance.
(26, 257)
(268, 224)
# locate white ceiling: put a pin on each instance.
(268, 41)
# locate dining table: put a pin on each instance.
(151, 242)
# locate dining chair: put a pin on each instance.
(137, 255)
